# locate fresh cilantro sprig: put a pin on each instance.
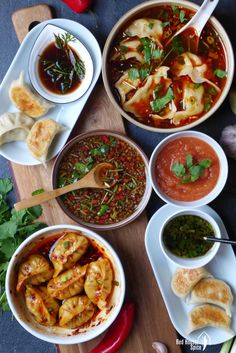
(190, 172)
(220, 73)
(160, 102)
(15, 227)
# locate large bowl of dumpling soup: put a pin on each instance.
(161, 86)
(65, 284)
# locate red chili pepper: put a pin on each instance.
(78, 5)
(118, 331)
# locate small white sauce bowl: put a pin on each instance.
(196, 261)
(56, 334)
(221, 179)
(45, 38)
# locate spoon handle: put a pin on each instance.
(44, 197)
(199, 20)
(221, 240)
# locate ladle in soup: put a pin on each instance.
(196, 24)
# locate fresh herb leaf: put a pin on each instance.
(207, 106)
(150, 25)
(178, 169)
(103, 149)
(175, 9)
(81, 168)
(195, 172)
(14, 228)
(62, 40)
(158, 54)
(157, 90)
(133, 73)
(159, 103)
(123, 49)
(144, 72)
(37, 192)
(164, 24)
(220, 73)
(66, 244)
(182, 17)
(103, 210)
(148, 46)
(197, 85)
(205, 163)
(177, 45)
(189, 160)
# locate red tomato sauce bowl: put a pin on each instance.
(188, 169)
(114, 206)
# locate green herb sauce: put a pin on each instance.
(183, 236)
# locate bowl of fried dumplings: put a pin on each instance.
(65, 284)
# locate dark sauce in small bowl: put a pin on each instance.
(61, 70)
(183, 236)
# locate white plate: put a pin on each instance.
(65, 114)
(223, 266)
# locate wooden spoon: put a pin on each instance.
(94, 179)
(197, 23)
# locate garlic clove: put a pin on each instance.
(159, 347)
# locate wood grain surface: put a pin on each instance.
(152, 322)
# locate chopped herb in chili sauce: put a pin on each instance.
(112, 204)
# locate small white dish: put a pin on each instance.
(45, 38)
(65, 114)
(56, 334)
(197, 261)
(223, 266)
(221, 179)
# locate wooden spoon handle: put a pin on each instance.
(45, 196)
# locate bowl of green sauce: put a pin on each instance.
(182, 238)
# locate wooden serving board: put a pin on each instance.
(152, 322)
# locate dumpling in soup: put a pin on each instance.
(68, 283)
(67, 251)
(75, 311)
(41, 305)
(125, 85)
(144, 94)
(34, 271)
(146, 27)
(98, 283)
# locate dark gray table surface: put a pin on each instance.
(13, 338)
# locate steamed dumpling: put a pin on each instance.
(75, 311)
(213, 291)
(68, 283)
(25, 100)
(98, 283)
(67, 251)
(208, 315)
(41, 305)
(14, 127)
(41, 136)
(34, 271)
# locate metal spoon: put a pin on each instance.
(198, 21)
(94, 179)
(220, 240)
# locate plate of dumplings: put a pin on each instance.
(200, 302)
(32, 129)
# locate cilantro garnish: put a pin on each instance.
(190, 172)
(159, 103)
(15, 227)
(177, 45)
(220, 73)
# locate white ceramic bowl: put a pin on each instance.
(197, 261)
(56, 334)
(221, 179)
(46, 37)
(136, 12)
